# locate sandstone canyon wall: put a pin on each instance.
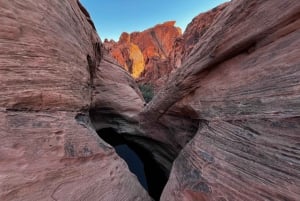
(50, 62)
(151, 55)
(146, 54)
(241, 82)
(229, 115)
(194, 31)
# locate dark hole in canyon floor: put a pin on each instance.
(139, 160)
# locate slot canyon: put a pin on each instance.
(77, 122)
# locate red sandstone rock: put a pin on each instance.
(50, 60)
(115, 94)
(241, 82)
(163, 47)
(127, 54)
(155, 44)
(236, 96)
(192, 34)
(157, 41)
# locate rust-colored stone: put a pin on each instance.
(231, 110)
(155, 44)
(50, 60)
(194, 31)
(241, 81)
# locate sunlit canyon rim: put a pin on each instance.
(224, 124)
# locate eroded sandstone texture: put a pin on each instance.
(146, 54)
(163, 48)
(241, 81)
(184, 44)
(231, 110)
(50, 62)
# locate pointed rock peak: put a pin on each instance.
(124, 38)
(169, 23)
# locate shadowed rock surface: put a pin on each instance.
(194, 31)
(49, 150)
(241, 81)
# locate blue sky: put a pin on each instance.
(112, 17)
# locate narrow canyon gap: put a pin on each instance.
(139, 160)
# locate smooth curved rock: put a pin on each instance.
(116, 99)
(50, 60)
(241, 81)
(183, 45)
(57, 156)
(32, 45)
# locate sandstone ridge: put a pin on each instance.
(163, 48)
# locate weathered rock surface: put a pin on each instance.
(56, 156)
(194, 31)
(163, 48)
(241, 82)
(116, 99)
(233, 106)
(50, 65)
(146, 54)
(128, 54)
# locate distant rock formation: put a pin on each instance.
(128, 54)
(146, 54)
(163, 48)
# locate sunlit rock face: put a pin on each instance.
(128, 54)
(146, 54)
(164, 48)
(137, 59)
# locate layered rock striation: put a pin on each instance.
(50, 62)
(146, 54)
(183, 45)
(163, 48)
(229, 115)
(241, 82)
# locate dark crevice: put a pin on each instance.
(153, 34)
(91, 68)
(141, 161)
(98, 53)
(129, 140)
(94, 60)
(87, 15)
